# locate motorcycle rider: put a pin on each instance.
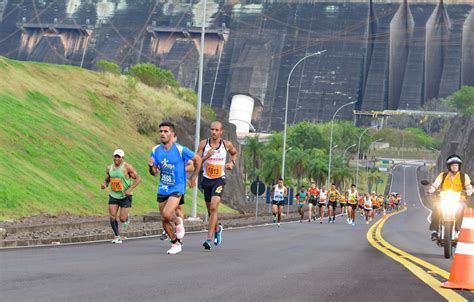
(452, 180)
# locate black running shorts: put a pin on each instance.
(123, 203)
(163, 198)
(277, 202)
(332, 204)
(212, 187)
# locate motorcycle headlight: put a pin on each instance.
(450, 202)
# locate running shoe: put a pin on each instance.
(278, 224)
(353, 223)
(329, 221)
(126, 224)
(180, 229)
(175, 248)
(207, 245)
(274, 218)
(218, 235)
(164, 236)
(333, 219)
(117, 239)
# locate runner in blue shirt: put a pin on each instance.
(169, 160)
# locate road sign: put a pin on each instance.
(257, 187)
(383, 169)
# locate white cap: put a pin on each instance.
(119, 152)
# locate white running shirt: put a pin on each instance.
(279, 194)
(214, 166)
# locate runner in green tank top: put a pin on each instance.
(119, 175)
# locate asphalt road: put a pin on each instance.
(409, 231)
(297, 262)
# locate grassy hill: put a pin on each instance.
(59, 127)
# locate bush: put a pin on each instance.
(153, 76)
(107, 66)
(146, 124)
(463, 99)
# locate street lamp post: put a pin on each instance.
(344, 154)
(198, 107)
(358, 155)
(330, 144)
(286, 108)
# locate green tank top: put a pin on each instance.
(118, 182)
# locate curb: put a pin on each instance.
(134, 234)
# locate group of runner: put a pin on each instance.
(317, 200)
(171, 161)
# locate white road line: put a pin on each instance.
(421, 201)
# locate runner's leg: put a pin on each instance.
(167, 212)
(212, 209)
(113, 209)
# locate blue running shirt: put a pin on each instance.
(172, 165)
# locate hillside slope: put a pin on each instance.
(59, 127)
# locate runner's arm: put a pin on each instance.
(233, 155)
(105, 184)
(189, 166)
(152, 169)
(200, 151)
(132, 173)
(197, 166)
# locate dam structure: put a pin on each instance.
(384, 54)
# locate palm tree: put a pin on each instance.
(373, 178)
(253, 151)
(271, 167)
(298, 160)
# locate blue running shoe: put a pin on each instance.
(207, 245)
(353, 223)
(218, 235)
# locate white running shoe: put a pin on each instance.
(180, 229)
(175, 248)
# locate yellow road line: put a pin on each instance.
(383, 246)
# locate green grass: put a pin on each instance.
(59, 128)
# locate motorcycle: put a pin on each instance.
(449, 202)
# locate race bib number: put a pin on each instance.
(278, 197)
(167, 178)
(116, 185)
(323, 199)
(213, 171)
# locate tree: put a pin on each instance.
(253, 151)
(271, 167)
(463, 99)
(373, 178)
(298, 160)
(342, 174)
(318, 166)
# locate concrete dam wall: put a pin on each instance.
(384, 54)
